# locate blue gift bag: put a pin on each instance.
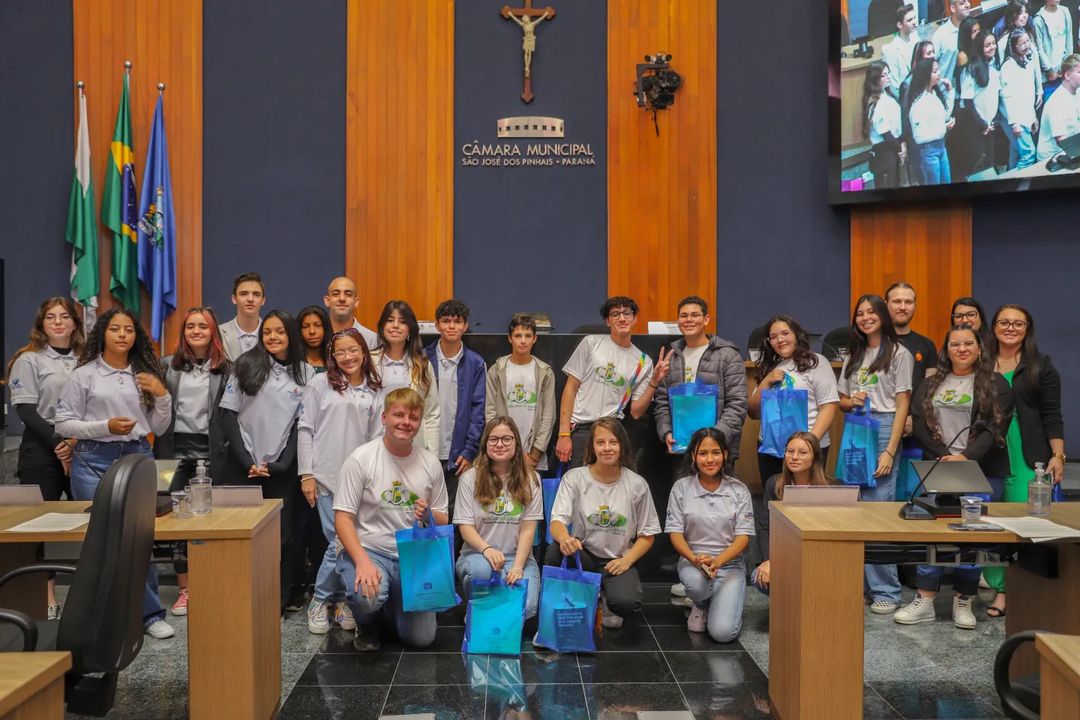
(550, 488)
(500, 677)
(426, 560)
(783, 413)
(494, 617)
(858, 448)
(568, 608)
(906, 477)
(693, 406)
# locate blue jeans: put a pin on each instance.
(934, 163)
(416, 629)
(965, 577)
(328, 587)
(1021, 148)
(881, 582)
(722, 596)
(84, 482)
(473, 566)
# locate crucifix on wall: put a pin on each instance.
(528, 18)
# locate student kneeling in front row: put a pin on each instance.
(383, 486)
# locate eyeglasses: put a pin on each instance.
(1014, 324)
(968, 315)
(496, 440)
(797, 452)
(691, 316)
(614, 314)
(346, 353)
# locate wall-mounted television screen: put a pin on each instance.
(950, 98)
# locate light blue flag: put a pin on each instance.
(157, 227)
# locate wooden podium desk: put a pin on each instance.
(234, 629)
(817, 612)
(1059, 675)
(32, 685)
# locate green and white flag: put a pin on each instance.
(81, 230)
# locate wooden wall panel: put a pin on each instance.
(927, 246)
(662, 239)
(163, 40)
(399, 154)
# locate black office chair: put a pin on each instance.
(756, 336)
(834, 341)
(598, 329)
(1019, 698)
(102, 624)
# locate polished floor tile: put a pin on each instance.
(722, 668)
(635, 635)
(375, 668)
(335, 703)
(938, 699)
(678, 638)
(432, 669)
(549, 668)
(625, 667)
(557, 702)
(448, 702)
(727, 700)
(624, 701)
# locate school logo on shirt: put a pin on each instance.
(918, 356)
(953, 397)
(504, 510)
(398, 497)
(608, 520)
(296, 394)
(610, 376)
(519, 396)
(865, 378)
(16, 383)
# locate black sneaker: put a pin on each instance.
(297, 600)
(366, 639)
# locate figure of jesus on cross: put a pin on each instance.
(528, 18)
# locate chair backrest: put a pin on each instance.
(102, 624)
(756, 336)
(1019, 698)
(833, 341)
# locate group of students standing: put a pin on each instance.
(360, 433)
(946, 108)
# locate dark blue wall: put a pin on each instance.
(780, 247)
(531, 238)
(274, 148)
(1027, 251)
(37, 99)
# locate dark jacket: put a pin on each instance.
(992, 457)
(720, 365)
(472, 393)
(164, 446)
(1038, 409)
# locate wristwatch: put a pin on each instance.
(1059, 456)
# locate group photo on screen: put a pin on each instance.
(947, 92)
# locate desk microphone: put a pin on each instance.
(911, 511)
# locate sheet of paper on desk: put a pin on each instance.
(1034, 529)
(53, 522)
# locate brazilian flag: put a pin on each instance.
(119, 209)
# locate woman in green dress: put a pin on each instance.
(1036, 433)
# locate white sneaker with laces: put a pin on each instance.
(609, 620)
(317, 621)
(696, 622)
(919, 610)
(160, 629)
(883, 607)
(962, 616)
(343, 616)
(678, 590)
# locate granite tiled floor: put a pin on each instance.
(923, 671)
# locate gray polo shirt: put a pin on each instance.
(38, 378)
(97, 392)
(266, 418)
(709, 521)
(332, 424)
(193, 400)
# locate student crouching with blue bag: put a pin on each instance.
(710, 520)
(385, 485)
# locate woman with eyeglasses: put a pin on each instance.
(498, 504)
(960, 413)
(804, 464)
(1036, 432)
(340, 412)
(614, 521)
(968, 311)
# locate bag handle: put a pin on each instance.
(429, 521)
(865, 408)
(566, 559)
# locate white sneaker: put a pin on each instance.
(160, 629)
(609, 620)
(919, 610)
(678, 590)
(696, 622)
(962, 616)
(317, 621)
(343, 616)
(883, 607)
(983, 585)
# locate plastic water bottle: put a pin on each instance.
(1039, 490)
(201, 496)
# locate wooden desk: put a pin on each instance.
(234, 629)
(817, 612)
(32, 685)
(1059, 676)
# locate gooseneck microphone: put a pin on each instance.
(911, 511)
